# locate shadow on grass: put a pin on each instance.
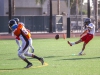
(14, 59)
(12, 69)
(82, 58)
(32, 58)
(52, 56)
(33, 67)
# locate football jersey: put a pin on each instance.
(92, 30)
(21, 30)
(21, 23)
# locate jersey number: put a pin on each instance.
(24, 31)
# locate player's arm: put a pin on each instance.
(17, 41)
(89, 27)
(84, 33)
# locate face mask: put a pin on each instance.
(14, 27)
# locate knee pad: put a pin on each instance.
(28, 54)
(21, 55)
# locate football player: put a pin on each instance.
(25, 36)
(17, 38)
(86, 36)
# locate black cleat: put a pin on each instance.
(42, 61)
(28, 65)
(81, 54)
(69, 43)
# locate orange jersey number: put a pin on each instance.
(24, 31)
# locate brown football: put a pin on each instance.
(56, 36)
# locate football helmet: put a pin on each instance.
(87, 21)
(11, 24)
(16, 19)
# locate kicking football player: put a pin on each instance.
(86, 36)
(17, 38)
(20, 31)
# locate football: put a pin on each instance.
(56, 36)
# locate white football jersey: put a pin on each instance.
(91, 30)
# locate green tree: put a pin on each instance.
(73, 6)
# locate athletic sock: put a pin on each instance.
(73, 43)
(27, 61)
(34, 56)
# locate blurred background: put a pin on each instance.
(50, 16)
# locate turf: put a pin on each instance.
(60, 58)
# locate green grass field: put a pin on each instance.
(58, 56)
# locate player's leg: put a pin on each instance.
(73, 43)
(77, 42)
(39, 58)
(83, 48)
(27, 53)
(88, 38)
(21, 54)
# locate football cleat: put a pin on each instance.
(28, 65)
(69, 43)
(81, 54)
(42, 61)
